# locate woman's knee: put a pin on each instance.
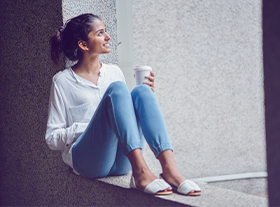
(118, 88)
(143, 91)
(117, 85)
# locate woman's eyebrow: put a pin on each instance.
(99, 30)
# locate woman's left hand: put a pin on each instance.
(151, 83)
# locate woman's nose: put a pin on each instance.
(107, 37)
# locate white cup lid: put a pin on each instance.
(137, 68)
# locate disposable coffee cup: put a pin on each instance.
(140, 73)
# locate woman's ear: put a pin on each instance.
(83, 45)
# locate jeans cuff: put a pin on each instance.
(161, 148)
(131, 147)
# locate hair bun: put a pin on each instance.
(58, 35)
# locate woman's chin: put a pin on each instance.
(108, 50)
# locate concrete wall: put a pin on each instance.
(271, 54)
(207, 56)
(26, 72)
(32, 174)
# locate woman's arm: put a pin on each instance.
(58, 135)
(60, 138)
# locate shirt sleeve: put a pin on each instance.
(120, 74)
(58, 135)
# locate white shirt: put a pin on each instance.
(73, 101)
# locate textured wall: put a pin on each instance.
(26, 72)
(31, 174)
(106, 10)
(271, 54)
(207, 56)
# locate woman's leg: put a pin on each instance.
(97, 151)
(110, 135)
(154, 129)
(155, 132)
(169, 168)
(151, 119)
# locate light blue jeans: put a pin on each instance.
(116, 129)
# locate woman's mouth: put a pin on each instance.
(106, 45)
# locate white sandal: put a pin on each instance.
(156, 187)
(186, 187)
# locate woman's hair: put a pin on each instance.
(66, 38)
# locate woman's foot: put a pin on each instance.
(187, 187)
(172, 176)
(144, 178)
(170, 172)
(181, 185)
(140, 170)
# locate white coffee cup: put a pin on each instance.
(140, 73)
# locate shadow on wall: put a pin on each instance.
(28, 167)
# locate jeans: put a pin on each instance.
(116, 129)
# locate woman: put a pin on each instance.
(98, 123)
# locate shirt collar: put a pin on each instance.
(79, 79)
(102, 70)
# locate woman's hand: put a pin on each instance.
(151, 83)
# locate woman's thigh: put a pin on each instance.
(94, 152)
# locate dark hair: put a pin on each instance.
(66, 38)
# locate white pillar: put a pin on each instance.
(125, 48)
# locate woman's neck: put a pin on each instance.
(88, 66)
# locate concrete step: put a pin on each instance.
(211, 196)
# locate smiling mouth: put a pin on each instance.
(106, 45)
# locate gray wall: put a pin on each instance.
(26, 72)
(32, 174)
(207, 56)
(271, 54)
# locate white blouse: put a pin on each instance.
(73, 101)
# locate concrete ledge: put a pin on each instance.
(56, 185)
(211, 196)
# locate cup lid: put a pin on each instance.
(142, 68)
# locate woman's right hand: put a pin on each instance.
(151, 83)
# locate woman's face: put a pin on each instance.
(98, 42)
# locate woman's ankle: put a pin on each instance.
(139, 171)
(173, 177)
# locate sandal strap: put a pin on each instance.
(132, 182)
(156, 186)
(188, 186)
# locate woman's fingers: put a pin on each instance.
(152, 81)
(151, 84)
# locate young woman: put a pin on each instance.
(97, 123)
